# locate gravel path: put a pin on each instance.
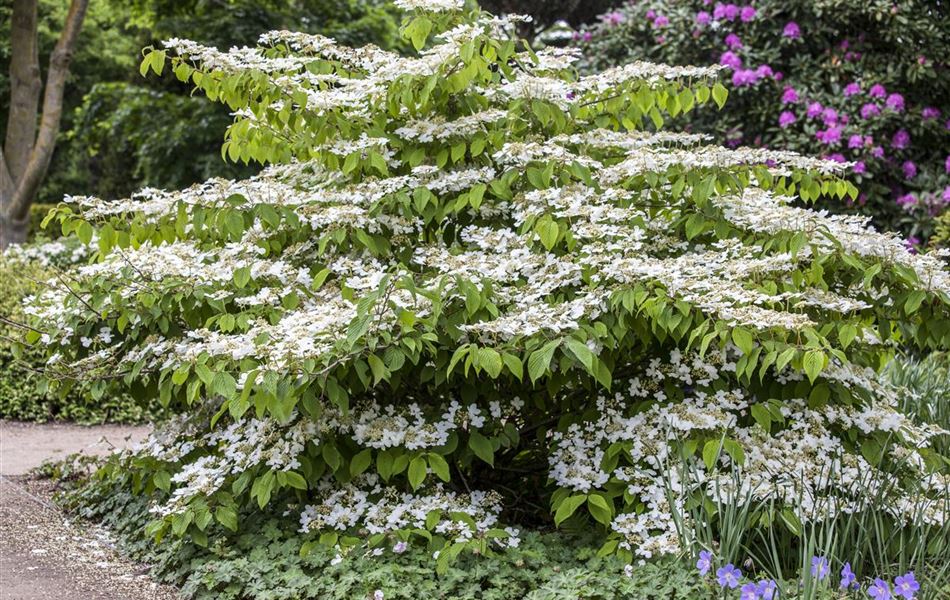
(43, 554)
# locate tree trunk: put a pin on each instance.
(13, 231)
(27, 154)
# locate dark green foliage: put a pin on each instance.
(902, 45)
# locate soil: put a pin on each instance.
(44, 554)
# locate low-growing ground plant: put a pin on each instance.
(475, 295)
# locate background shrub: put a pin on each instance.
(788, 55)
(23, 392)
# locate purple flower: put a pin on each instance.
(819, 567)
(703, 18)
(870, 110)
(588, 36)
(946, 164)
(910, 169)
(731, 11)
(930, 112)
(847, 575)
(728, 576)
(895, 102)
(911, 244)
(900, 140)
(906, 585)
(729, 59)
(749, 591)
(814, 109)
(786, 118)
(880, 590)
(946, 195)
(837, 157)
(661, 21)
(764, 71)
(613, 18)
(830, 136)
(400, 547)
(651, 14)
(906, 200)
(877, 152)
(744, 77)
(877, 91)
(747, 14)
(852, 89)
(705, 562)
(733, 42)
(792, 30)
(829, 116)
(789, 96)
(855, 141)
(766, 589)
(860, 168)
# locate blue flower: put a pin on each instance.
(880, 590)
(906, 585)
(847, 577)
(728, 576)
(819, 567)
(705, 562)
(749, 591)
(767, 589)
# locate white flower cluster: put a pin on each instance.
(805, 463)
(379, 509)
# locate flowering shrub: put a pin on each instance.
(852, 80)
(475, 292)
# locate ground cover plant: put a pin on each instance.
(475, 295)
(862, 81)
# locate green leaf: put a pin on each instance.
(580, 351)
(568, 507)
(482, 447)
(719, 94)
(361, 462)
(711, 453)
(742, 338)
(600, 509)
(762, 416)
(813, 363)
(295, 480)
(439, 466)
(380, 372)
(417, 472)
(735, 451)
(548, 231)
(540, 359)
(490, 361)
(227, 517)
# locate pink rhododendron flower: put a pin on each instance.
(661, 21)
(901, 139)
(733, 42)
(703, 18)
(730, 59)
(792, 30)
(860, 167)
(786, 118)
(814, 109)
(910, 169)
(830, 136)
(930, 112)
(748, 13)
(613, 18)
(789, 96)
(855, 141)
(870, 110)
(895, 102)
(877, 152)
(852, 89)
(877, 91)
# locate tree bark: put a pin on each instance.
(27, 157)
